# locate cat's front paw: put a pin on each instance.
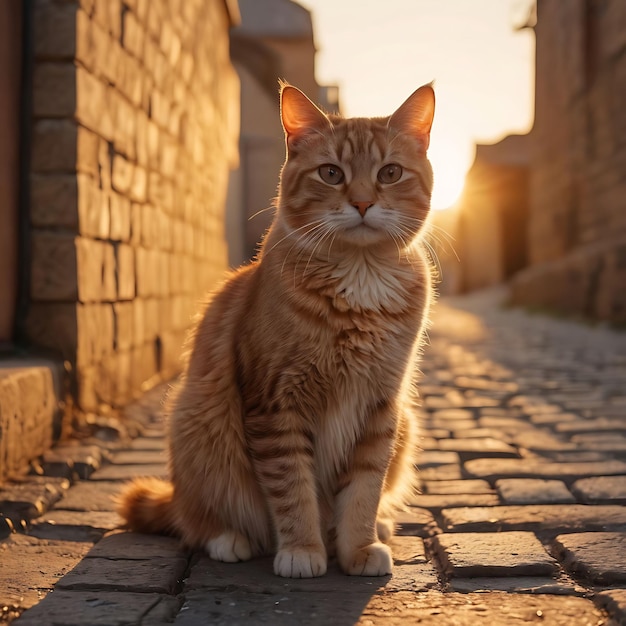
(300, 563)
(229, 547)
(373, 560)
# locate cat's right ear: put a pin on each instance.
(300, 117)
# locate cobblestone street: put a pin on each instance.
(521, 517)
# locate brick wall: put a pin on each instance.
(134, 130)
(577, 227)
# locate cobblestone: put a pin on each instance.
(445, 487)
(493, 554)
(601, 489)
(533, 491)
(520, 497)
(548, 517)
(598, 556)
(614, 600)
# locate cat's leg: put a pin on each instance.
(384, 528)
(282, 453)
(401, 477)
(359, 550)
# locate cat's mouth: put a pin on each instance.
(361, 226)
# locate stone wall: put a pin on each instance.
(577, 228)
(135, 122)
(491, 217)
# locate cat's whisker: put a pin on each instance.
(447, 243)
(293, 232)
(298, 240)
(324, 235)
(432, 253)
(332, 241)
(269, 208)
(397, 240)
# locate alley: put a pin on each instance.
(523, 494)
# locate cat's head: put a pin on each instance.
(356, 181)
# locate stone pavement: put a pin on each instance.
(521, 519)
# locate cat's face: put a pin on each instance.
(358, 181)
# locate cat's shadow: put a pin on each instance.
(249, 593)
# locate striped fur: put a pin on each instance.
(292, 429)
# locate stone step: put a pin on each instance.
(30, 411)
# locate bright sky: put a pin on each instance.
(380, 51)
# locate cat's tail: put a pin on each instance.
(146, 505)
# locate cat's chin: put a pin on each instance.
(363, 235)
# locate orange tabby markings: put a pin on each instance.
(292, 430)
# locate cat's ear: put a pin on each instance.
(300, 117)
(415, 116)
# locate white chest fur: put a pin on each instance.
(368, 281)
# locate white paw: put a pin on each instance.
(299, 564)
(373, 560)
(229, 547)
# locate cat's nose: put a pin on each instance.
(361, 206)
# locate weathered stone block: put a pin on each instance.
(533, 491)
(122, 176)
(54, 266)
(125, 272)
(119, 207)
(95, 270)
(54, 201)
(54, 146)
(92, 43)
(116, 608)
(59, 525)
(139, 327)
(123, 323)
(452, 487)
(531, 468)
(93, 208)
(96, 333)
(563, 517)
(139, 186)
(133, 36)
(87, 152)
(54, 90)
(493, 554)
(55, 31)
(93, 108)
(23, 563)
(601, 490)
(124, 130)
(596, 555)
(614, 601)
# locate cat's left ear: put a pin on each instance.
(300, 117)
(415, 116)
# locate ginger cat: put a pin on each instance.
(292, 428)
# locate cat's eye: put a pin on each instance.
(331, 174)
(389, 173)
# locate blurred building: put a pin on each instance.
(577, 208)
(119, 125)
(492, 216)
(273, 41)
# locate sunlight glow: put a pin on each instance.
(450, 159)
(483, 68)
